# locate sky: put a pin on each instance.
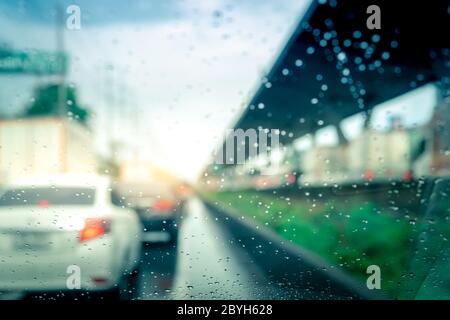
(414, 109)
(164, 78)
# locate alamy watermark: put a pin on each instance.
(241, 145)
(374, 280)
(73, 21)
(374, 20)
(73, 280)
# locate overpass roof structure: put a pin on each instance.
(334, 66)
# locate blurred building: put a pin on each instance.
(44, 145)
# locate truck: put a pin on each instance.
(44, 145)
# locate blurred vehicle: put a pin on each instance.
(50, 224)
(158, 206)
(44, 145)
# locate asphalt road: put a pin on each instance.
(205, 264)
(220, 257)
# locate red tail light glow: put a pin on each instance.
(43, 203)
(369, 175)
(290, 178)
(163, 206)
(94, 228)
(408, 176)
(99, 281)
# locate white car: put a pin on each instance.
(67, 233)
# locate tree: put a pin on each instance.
(45, 103)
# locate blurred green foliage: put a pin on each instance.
(352, 234)
(45, 103)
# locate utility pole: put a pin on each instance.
(137, 128)
(109, 110)
(59, 31)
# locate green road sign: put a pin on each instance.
(33, 62)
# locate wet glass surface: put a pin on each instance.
(291, 149)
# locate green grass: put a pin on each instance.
(352, 233)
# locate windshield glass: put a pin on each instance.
(47, 196)
(285, 149)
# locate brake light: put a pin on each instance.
(94, 228)
(43, 203)
(369, 175)
(290, 178)
(99, 281)
(408, 176)
(163, 205)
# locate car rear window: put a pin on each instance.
(48, 196)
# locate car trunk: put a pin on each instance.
(34, 230)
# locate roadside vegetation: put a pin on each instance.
(353, 232)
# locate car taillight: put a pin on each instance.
(93, 228)
(369, 175)
(290, 178)
(408, 176)
(43, 203)
(163, 206)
